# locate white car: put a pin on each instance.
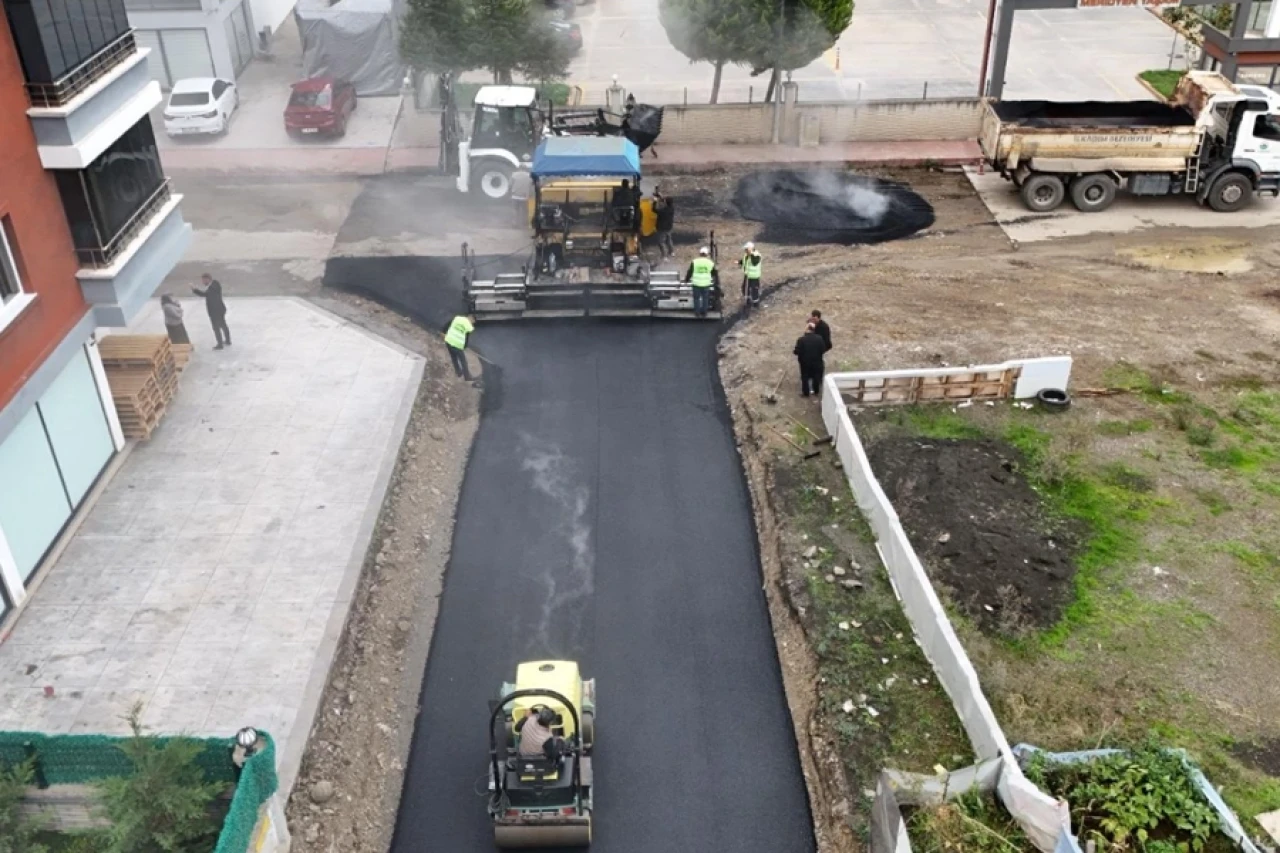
(200, 105)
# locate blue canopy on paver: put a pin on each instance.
(586, 156)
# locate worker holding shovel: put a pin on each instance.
(455, 338)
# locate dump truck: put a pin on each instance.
(1214, 140)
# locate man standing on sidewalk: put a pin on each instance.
(455, 337)
(212, 293)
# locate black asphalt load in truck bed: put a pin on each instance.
(1127, 114)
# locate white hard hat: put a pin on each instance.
(748, 245)
(704, 251)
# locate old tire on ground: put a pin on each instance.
(1093, 193)
(494, 180)
(1043, 193)
(1230, 192)
(1053, 399)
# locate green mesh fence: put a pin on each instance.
(85, 759)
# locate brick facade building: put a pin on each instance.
(88, 230)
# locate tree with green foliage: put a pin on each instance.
(18, 831)
(800, 31)
(765, 35)
(165, 804)
(506, 37)
(715, 31)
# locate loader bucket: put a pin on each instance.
(644, 125)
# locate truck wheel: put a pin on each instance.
(1230, 192)
(1043, 193)
(494, 180)
(1093, 193)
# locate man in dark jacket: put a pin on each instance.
(808, 351)
(820, 326)
(665, 210)
(212, 293)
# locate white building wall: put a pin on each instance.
(271, 13)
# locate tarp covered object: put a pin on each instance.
(355, 40)
(586, 156)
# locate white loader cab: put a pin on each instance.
(504, 133)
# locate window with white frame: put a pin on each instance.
(10, 281)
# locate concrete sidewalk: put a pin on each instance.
(211, 577)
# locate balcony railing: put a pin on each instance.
(63, 90)
(104, 256)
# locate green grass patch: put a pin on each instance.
(1120, 428)
(934, 421)
(1134, 379)
(1213, 500)
(1162, 80)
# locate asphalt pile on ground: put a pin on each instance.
(824, 206)
(980, 529)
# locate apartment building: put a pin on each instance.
(88, 230)
(201, 38)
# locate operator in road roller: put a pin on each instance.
(541, 732)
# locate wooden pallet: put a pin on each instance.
(142, 371)
(181, 356)
(135, 350)
(949, 388)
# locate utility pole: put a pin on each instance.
(777, 89)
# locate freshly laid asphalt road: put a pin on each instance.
(604, 518)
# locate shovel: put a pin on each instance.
(772, 396)
(807, 454)
(817, 439)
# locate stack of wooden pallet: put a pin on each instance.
(143, 374)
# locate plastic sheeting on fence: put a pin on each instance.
(1044, 819)
(1228, 821)
(352, 40)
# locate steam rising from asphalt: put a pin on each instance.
(553, 477)
(817, 205)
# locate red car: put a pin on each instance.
(320, 105)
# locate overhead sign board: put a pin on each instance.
(1085, 4)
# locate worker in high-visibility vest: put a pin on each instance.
(752, 265)
(703, 276)
(455, 338)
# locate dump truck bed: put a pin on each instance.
(1088, 136)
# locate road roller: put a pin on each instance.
(543, 800)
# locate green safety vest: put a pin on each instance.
(752, 269)
(456, 337)
(702, 268)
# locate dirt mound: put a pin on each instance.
(1261, 755)
(820, 206)
(980, 529)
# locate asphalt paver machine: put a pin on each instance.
(588, 220)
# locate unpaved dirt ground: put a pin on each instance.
(961, 293)
(958, 292)
(980, 528)
(358, 746)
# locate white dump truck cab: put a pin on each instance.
(1216, 141)
(505, 130)
(1243, 128)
